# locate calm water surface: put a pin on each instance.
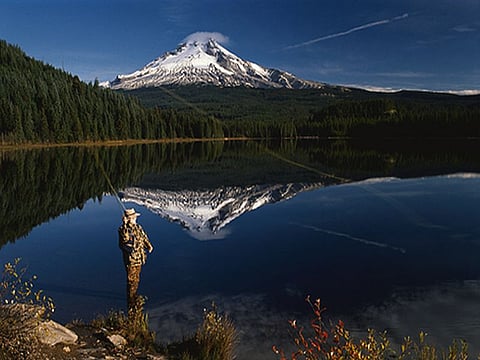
(384, 251)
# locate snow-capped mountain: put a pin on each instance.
(207, 62)
(205, 213)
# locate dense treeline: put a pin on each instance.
(39, 103)
(390, 118)
(375, 118)
(333, 111)
(242, 104)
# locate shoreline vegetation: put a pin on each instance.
(6, 146)
(27, 332)
(109, 143)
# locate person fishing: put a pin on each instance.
(133, 241)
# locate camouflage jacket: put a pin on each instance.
(133, 241)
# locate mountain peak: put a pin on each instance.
(200, 59)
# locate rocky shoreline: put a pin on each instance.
(26, 333)
(92, 343)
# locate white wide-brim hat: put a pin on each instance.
(131, 213)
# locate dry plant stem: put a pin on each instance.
(336, 343)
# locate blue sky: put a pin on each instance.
(409, 44)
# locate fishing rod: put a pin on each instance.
(105, 175)
(306, 167)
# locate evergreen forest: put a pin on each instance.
(330, 112)
(42, 104)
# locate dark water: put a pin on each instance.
(388, 236)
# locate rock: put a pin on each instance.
(67, 349)
(52, 333)
(117, 340)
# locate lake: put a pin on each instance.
(386, 234)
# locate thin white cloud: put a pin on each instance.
(374, 88)
(203, 36)
(464, 92)
(177, 12)
(463, 28)
(347, 32)
(405, 74)
(329, 69)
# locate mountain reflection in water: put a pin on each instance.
(397, 253)
(205, 213)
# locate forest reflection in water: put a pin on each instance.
(38, 185)
(357, 246)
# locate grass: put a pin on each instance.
(17, 332)
(215, 339)
(133, 326)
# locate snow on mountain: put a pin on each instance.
(207, 62)
(204, 214)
